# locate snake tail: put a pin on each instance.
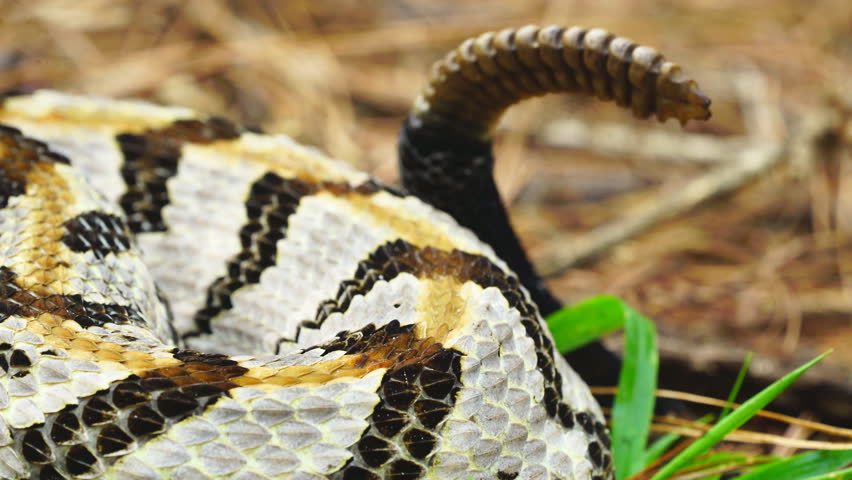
(445, 146)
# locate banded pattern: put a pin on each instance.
(134, 237)
(471, 88)
(151, 158)
(120, 401)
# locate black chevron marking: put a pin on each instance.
(102, 233)
(151, 158)
(387, 261)
(415, 398)
(10, 187)
(15, 300)
(83, 439)
(18, 155)
(363, 339)
(272, 200)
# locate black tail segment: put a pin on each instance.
(445, 145)
(455, 175)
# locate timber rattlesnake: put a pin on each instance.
(355, 331)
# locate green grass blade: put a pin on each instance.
(585, 321)
(845, 474)
(802, 466)
(717, 459)
(634, 401)
(733, 421)
(593, 318)
(732, 397)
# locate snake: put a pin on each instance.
(183, 298)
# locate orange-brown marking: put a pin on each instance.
(189, 368)
(41, 264)
(398, 218)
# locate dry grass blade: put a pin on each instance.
(715, 402)
(675, 201)
(750, 437)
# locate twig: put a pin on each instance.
(725, 178)
(676, 200)
(715, 402)
(622, 140)
(748, 436)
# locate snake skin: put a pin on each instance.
(351, 331)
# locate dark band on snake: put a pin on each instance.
(151, 158)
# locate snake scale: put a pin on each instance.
(352, 330)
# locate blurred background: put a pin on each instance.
(734, 235)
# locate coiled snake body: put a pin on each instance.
(353, 331)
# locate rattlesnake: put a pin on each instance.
(353, 330)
